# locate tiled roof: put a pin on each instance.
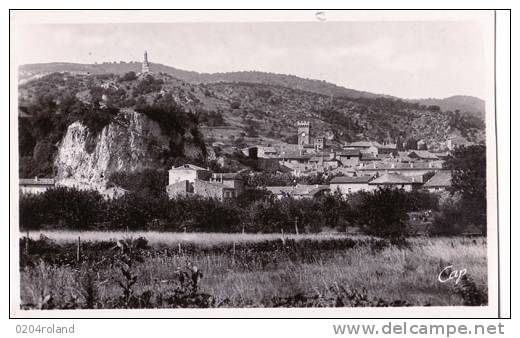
(268, 149)
(294, 155)
(395, 179)
(422, 154)
(297, 190)
(37, 181)
(351, 179)
(364, 144)
(189, 166)
(369, 157)
(389, 146)
(402, 166)
(318, 189)
(225, 176)
(349, 152)
(440, 179)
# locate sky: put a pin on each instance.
(402, 58)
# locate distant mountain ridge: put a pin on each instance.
(27, 72)
(462, 103)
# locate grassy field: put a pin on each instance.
(159, 239)
(245, 270)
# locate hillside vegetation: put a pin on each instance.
(233, 113)
(465, 104)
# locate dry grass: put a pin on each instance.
(156, 238)
(393, 273)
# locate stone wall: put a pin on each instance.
(180, 188)
(209, 189)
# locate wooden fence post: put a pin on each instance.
(234, 251)
(27, 244)
(78, 250)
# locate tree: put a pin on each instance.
(130, 76)
(64, 207)
(383, 212)
(150, 182)
(468, 165)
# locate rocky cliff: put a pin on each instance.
(130, 142)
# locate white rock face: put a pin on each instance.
(132, 142)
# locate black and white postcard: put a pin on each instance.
(253, 164)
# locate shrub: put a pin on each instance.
(471, 293)
(383, 212)
(135, 211)
(147, 181)
(62, 206)
(451, 219)
(130, 76)
(98, 118)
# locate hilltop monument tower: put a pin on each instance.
(304, 132)
(146, 65)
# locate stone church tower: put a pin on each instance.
(146, 65)
(304, 132)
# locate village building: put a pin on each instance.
(294, 157)
(349, 158)
(385, 157)
(304, 133)
(325, 161)
(421, 145)
(387, 148)
(439, 182)
(320, 143)
(230, 180)
(189, 179)
(391, 180)
(35, 185)
(423, 155)
(299, 191)
(365, 147)
(347, 184)
(406, 169)
(213, 189)
(344, 171)
(368, 158)
(402, 156)
(188, 172)
(266, 152)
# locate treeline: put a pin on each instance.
(383, 212)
